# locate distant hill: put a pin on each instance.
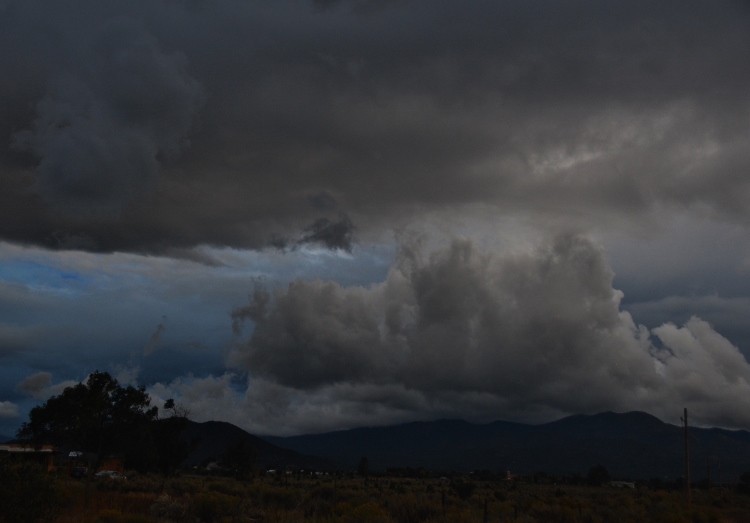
(212, 438)
(631, 445)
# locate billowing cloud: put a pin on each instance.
(460, 330)
(8, 409)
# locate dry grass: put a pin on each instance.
(290, 499)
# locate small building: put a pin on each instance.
(80, 463)
(42, 454)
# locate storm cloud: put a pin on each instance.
(102, 131)
(582, 111)
(538, 331)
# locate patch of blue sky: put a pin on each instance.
(43, 278)
(363, 266)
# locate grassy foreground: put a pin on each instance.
(149, 498)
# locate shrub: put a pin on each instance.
(463, 489)
(115, 516)
(28, 493)
(409, 508)
(213, 506)
(169, 508)
(370, 512)
(109, 516)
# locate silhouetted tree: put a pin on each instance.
(99, 416)
(171, 449)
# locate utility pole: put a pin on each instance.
(687, 459)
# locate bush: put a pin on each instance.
(213, 506)
(170, 509)
(28, 493)
(115, 516)
(109, 516)
(463, 489)
(370, 512)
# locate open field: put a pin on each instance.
(293, 498)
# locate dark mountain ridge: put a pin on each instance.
(211, 439)
(631, 445)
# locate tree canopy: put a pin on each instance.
(89, 416)
(102, 417)
(99, 416)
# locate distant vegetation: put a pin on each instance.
(33, 496)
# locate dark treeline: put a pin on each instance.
(103, 418)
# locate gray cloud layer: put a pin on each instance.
(102, 131)
(584, 111)
(462, 331)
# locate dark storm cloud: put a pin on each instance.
(323, 202)
(582, 110)
(332, 234)
(462, 329)
(358, 5)
(102, 131)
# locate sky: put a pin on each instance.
(308, 215)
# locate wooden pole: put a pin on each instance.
(687, 459)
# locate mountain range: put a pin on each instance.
(630, 445)
(211, 439)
